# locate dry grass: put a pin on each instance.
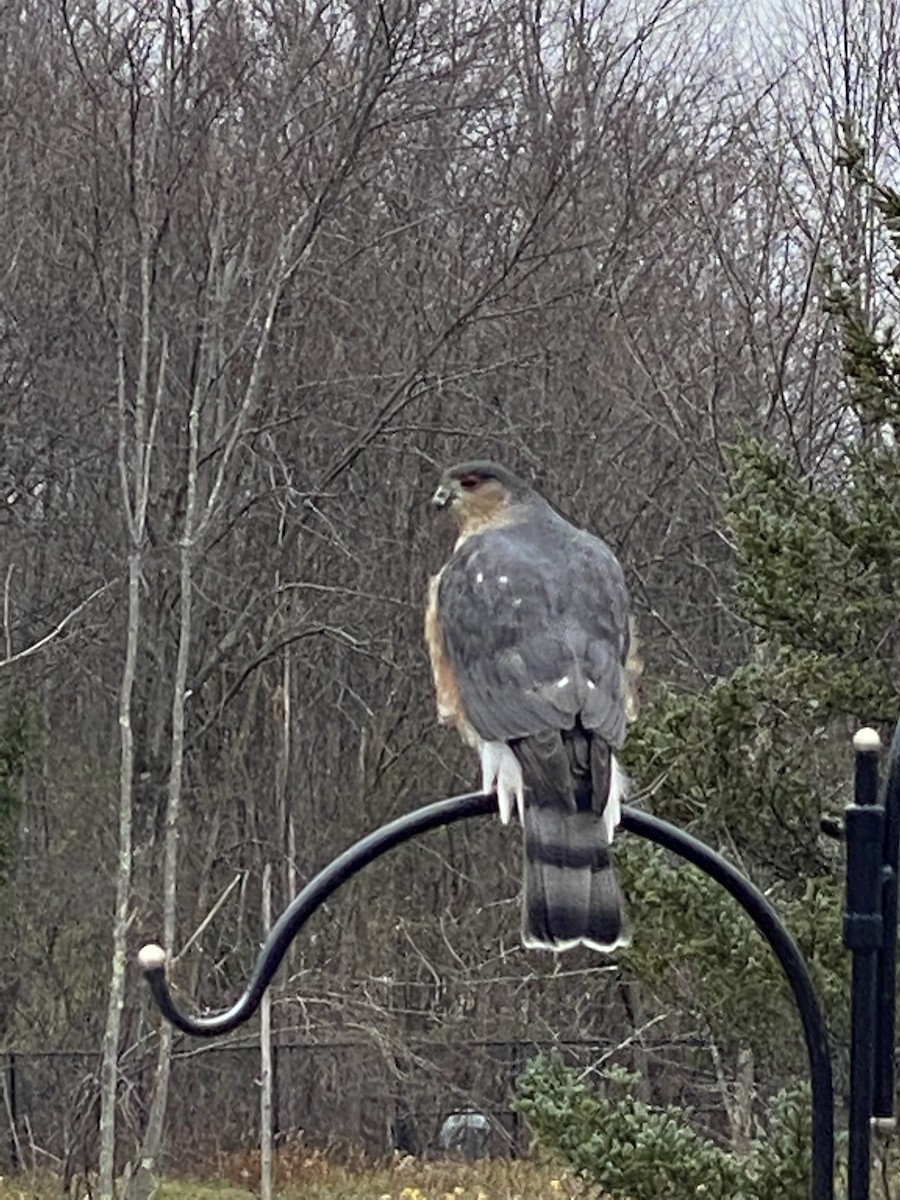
(303, 1174)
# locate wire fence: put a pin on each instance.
(358, 1094)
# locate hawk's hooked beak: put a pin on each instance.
(442, 496)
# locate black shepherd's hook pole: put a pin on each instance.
(863, 937)
(872, 830)
(459, 808)
(883, 1100)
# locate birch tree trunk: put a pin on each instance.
(135, 449)
(109, 1068)
(142, 1180)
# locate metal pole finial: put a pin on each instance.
(866, 740)
(151, 957)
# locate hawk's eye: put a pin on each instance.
(469, 482)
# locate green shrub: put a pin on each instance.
(634, 1151)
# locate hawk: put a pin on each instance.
(528, 632)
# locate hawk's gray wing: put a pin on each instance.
(535, 625)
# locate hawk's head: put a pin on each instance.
(479, 493)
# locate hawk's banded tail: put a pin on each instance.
(573, 793)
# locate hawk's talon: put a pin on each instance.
(504, 805)
(501, 773)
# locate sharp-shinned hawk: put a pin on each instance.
(528, 632)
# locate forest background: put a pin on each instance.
(267, 267)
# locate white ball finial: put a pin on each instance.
(151, 957)
(866, 740)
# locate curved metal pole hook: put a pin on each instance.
(152, 958)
